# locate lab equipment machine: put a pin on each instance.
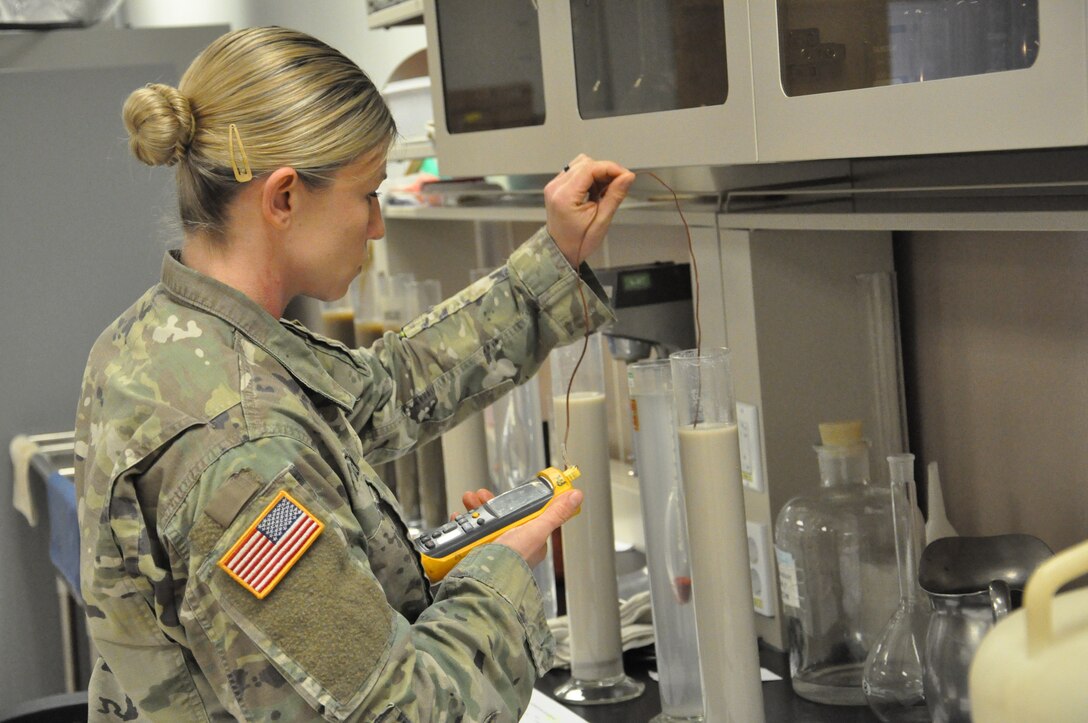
(653, 307)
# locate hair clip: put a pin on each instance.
(246, 173)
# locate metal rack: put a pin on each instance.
(50, 446)
(54, 454)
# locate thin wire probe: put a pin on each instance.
(585, 303)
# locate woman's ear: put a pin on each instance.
(280, 197)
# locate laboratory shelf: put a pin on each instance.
(411, 150)
(632, 212)
(409, 11)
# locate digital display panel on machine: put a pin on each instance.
(519, 497)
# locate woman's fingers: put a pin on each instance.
(530, 539)
(473, 499)
(580, 203)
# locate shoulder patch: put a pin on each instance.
(271, 545)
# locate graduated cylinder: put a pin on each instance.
(518, 454)
(589, 560)
(714, 503)
(664, 521)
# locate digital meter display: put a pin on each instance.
(513, 500)
(639, 281)
(442, 547)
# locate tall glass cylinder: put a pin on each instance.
(464, 461)
(422, 297)
(589, 556)
(714, 502)
(893, 677)
(338, 317)
(405, 471)
(465, 451)
(878, 291)
(519, 441)
(368, 310)
(657, 461)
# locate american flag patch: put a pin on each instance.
(272, 544)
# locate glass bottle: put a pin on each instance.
(837, 571)
(893, 678)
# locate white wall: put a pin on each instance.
(340, 23)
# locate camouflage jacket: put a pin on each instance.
(200, 414)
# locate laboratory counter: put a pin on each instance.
(780, 704)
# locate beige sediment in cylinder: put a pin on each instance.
(589, 565)
(717, 533)
(589, 547)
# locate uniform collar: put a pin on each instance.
(247, 316)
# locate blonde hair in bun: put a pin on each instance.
(293, 100)
(160, 124)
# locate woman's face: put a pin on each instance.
(332, 234)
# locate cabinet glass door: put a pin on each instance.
(492, 72)
(827, 46)
(646, 56)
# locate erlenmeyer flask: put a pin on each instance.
(893, 677)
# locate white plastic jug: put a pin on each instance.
(1031, 666)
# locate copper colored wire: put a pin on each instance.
(585, 303)
(691, 253)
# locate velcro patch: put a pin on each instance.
(271, 545)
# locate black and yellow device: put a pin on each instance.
(443, 547)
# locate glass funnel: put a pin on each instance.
(893, 677)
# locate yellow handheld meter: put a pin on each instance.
(443, 547)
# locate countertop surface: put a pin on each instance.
(780, 705)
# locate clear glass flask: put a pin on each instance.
(893, 678)
(589, 544)
(657, 462)
(706, 425)
(838, 578)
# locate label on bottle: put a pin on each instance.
(787, 578)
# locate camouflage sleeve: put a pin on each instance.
(474, 347)
(320, 639)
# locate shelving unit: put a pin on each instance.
(411, 150)
(632, 212)
(408, 12)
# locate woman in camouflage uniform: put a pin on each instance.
(240, 557)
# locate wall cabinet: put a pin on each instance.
(521, 87)
(857, 78)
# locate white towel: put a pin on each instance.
(636, 628)
(22, 449)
